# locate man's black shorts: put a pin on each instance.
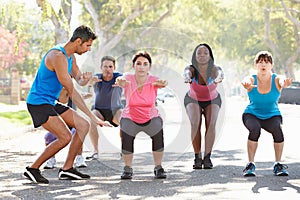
(41, 113)
(108, 115)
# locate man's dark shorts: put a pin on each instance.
(108, 115)
(41, 113)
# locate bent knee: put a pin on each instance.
(254, 136)
(278, 138)
(64, 139)
(83, 126)
(158, 141)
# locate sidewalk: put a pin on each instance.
(224, 181)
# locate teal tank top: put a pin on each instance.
(263, 106)
(46, 87)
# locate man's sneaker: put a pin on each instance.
(249, 170)
(51, 163)
(94, 156)
(79, 162)
(198, 163)
(72, 174)
(159, 172)
(280, 170)
(127, 173)
(35, 175)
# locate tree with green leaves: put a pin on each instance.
(263, 25)
(61, 19)
(119, 23)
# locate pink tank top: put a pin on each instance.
(203, 92)
(140, 105)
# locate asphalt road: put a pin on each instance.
(20, 146)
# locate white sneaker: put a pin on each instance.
(79, 162)
(94, 156)
(50, 164)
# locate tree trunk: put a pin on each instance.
(60, 20)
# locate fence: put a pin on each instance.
(10, 90)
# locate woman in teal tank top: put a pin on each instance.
(262, 112)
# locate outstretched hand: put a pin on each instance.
(248, 85)
(95, 120)
(121, 82)
(286, 82)
(219, 77)
(105, 123)
(86, 76)
(87, 95)
(187, 75)
(160, 83)
(94, 79)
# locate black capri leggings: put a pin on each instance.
(272, 125)
(153, 128)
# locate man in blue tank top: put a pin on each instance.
(56, 71)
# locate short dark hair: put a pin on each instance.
(263, 55)
(110, 58)
(144, 54)
(84, 33)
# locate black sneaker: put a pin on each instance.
(207, 164)
(72, 174)
(159, 172)
(280, 170)
(35, 175)
(127, 173)
(198, 163)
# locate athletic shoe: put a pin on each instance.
(197, 163)
(127, 173)
(159, 172)
(35, 175)
(94, 156)
(51, 163)
(79, 162)
(249, 170)
(207, 164)
(280, 170)
(72, 174)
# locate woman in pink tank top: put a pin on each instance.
(203, 98)
(140, 113)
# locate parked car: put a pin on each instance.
(291, 94)
(162, 93)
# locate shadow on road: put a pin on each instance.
(224, 180)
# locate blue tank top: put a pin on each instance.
(263, 106)
(46, 87)
(108, 97)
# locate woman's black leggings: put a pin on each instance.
(272, 125)
(153, 128)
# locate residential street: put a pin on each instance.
(21, 145)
